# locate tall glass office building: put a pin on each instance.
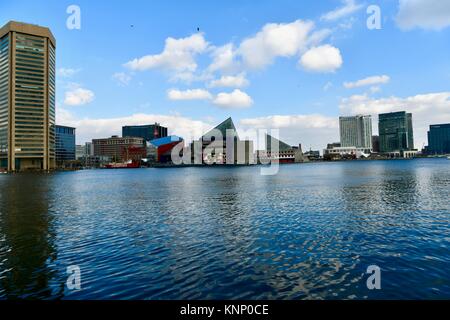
(147, 132)
(27, 97)
(439, 139)
(356, 131)
(395, 132)
(65, 144)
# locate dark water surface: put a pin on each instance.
(309, 232)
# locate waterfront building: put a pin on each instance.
(80, 152)
(280, 151)
(222, 145)
(439, 139)
(375, 144)
(65, 144)
(120, 149)
(396, 132)
(356, 131)
(147, 132)
(89, 149)
(333, 145)
(85, 155)
(27, 97)
(160, 150)
(312, 155)
(86, 150)
(337, 153)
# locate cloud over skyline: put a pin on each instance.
(266, 64)
(429, 108)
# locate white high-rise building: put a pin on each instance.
(356, 131)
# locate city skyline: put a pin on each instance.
(102, 86)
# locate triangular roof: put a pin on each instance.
(222, 127)
(281, 145)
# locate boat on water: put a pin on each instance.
(123, 165)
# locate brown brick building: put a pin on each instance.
(119, 149)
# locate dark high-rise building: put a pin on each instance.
(395, 132)
(439, 139)
(65, 144)
(27, 97)
(147, 132)
(376, 144)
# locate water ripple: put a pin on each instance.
(309, 232)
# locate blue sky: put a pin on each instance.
(292, 65)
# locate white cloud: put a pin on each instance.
(275, 40)
(426, 14)
(238, 81)
(66, 72)
(191, 94)
(122, 78)
(178, 55)
(311, 130)
(375, 89)
(349, 7)
(317, 37)
(88, 128)
(369, 81)
(190, 77)
(224, 59)
(78, 97)
(235, 99)
(253, 53)
(431, 108)
(325, 58)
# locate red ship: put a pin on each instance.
(124, 165)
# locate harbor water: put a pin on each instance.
(308, 232)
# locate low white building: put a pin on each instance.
(347, 151)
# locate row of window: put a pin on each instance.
(4, 96)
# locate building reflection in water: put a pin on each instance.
(27, 238)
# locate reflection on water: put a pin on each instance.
(27, 248)
(309, 232)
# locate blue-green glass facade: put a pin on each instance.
(147, 132)
(65, 144)
(395, 132)
(439, 139)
